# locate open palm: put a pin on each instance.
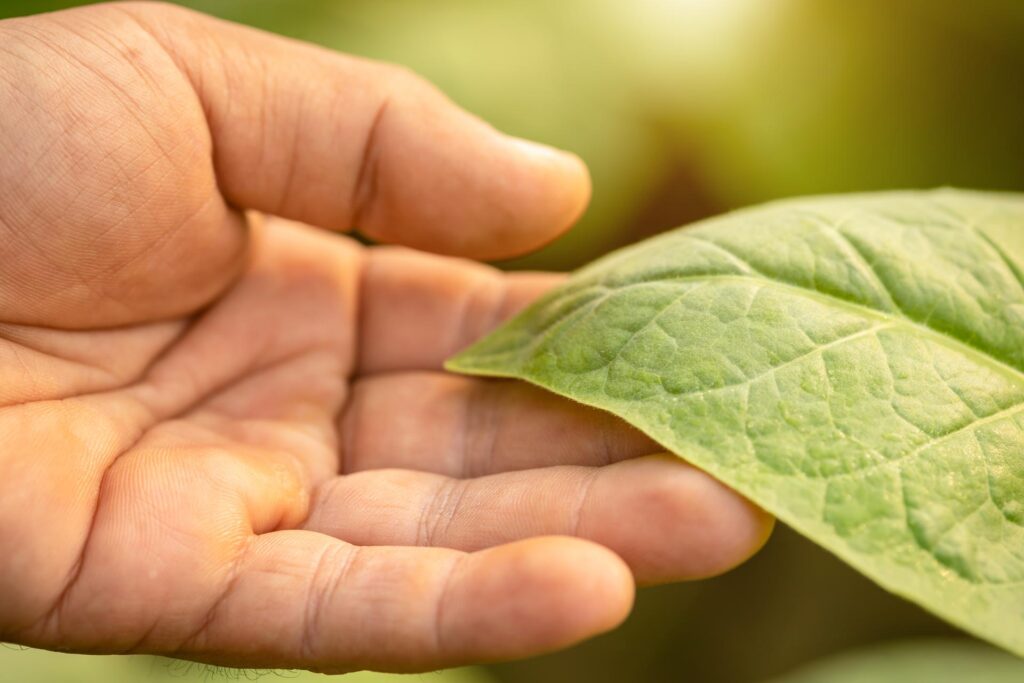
(227, 436)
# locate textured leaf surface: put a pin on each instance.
(855, 365)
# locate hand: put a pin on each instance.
(227, 437)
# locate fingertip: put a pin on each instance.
(551, 191)
(723, 529)
(537, 595)
(561, 170)
(742, 530)
(674, 522)
(481, 194)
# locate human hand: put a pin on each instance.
(228, 438)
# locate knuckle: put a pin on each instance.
(330, 572)
(403, 83)
(157, 8)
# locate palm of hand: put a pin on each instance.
(237, 445)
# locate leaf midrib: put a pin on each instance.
(984, 357)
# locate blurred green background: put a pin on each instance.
(683, 109)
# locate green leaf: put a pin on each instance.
(925, 661)
(25, 665)
(854, 365)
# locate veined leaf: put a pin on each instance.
(854, 365)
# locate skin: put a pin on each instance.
(226, 436)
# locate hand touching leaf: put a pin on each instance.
(229, 438)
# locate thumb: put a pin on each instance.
(342, 143)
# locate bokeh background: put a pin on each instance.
(684, 109)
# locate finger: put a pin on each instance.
(444, 304)
(301, 599)
(338, 142)
(467, 427)
(667, 520)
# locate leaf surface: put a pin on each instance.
(853, 364)
(925, 661)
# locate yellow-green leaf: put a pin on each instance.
(853, 364)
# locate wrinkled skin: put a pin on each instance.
(226, 436)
